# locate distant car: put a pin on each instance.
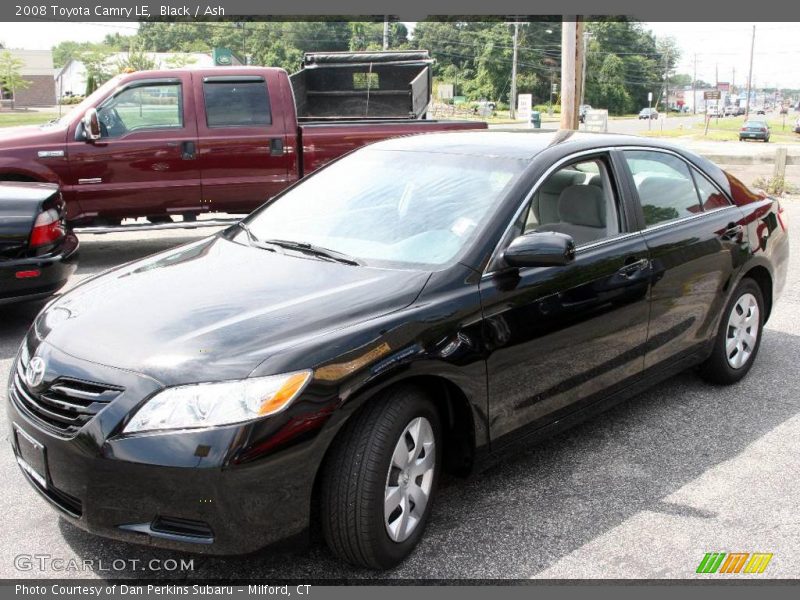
(648, 113)
(713, 111)
(760, 111)
(754, 130)
(37, 253)
(582, 112)
(797, 125)
(730, 111)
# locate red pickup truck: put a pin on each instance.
(163, 144)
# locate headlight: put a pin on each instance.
(223, 403)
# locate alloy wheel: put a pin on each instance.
(410, 478)
(743, 323)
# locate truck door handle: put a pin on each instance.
(276, 147)
(188, 151)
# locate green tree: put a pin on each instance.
(135, 60)
(180, 60)
(11, 74)
(95, 61)
(612, 89)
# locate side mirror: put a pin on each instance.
(91, 125)
(542, 249)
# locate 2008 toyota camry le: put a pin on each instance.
(411, 309)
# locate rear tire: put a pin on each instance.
(383, 466)
(739, 336)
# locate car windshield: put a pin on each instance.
(389, 208)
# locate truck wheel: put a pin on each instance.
(379, 480)
(739, 336)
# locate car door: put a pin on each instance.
(243, 145)
(561, 336)
(144, 162)
(696, 243)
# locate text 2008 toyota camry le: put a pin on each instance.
(398, 314)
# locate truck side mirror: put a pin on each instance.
(91, 125)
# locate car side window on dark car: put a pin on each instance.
(665, 186)
(578, 200)
(710, 196)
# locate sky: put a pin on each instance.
(725, 46)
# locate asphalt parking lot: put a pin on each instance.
(643, 491)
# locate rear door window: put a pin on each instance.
(664, 184)
(237, 103)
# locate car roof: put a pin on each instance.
(522, 144)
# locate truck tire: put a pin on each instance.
(379, 479)
(739, 336)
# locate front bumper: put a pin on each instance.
(55, 269)
(188, 490)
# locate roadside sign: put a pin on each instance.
(649, 96)
(712, 95)
(724, 86)
(524, 106)
(596, 120)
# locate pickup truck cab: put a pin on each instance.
(159, 144)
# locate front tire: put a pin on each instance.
(379, 480)
(739, 336)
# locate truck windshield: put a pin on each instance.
(93, 99)
(390, 207)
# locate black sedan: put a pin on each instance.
(37, 254)
(409, 309)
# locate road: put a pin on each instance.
(643, 491)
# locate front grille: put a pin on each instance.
(65, 405)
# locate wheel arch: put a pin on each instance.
(457, 419)
(763, 278)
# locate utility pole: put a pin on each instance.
(512, 105)
(694, 86)
(750, 76)
(586, 36)
(666, 83)
(571, 63)
(385, 32)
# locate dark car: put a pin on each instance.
(648, 113)
(37, 254)
(405, 311)
(754, 130)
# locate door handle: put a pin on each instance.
(733, 231)
(276, 147)
(188, 151)
(632, 268)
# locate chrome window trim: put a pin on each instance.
(665, 224)
(590, 246)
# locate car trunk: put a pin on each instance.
(362, 85)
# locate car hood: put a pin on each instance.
(216, 309)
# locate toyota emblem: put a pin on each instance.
(34, 374)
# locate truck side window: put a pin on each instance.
(236, 103)
(153, 106)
